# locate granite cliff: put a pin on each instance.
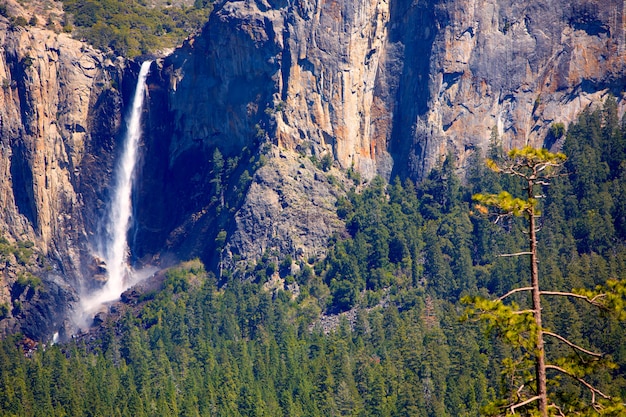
(60, 114)
(251, 125)
(393, 86)
(383, 86)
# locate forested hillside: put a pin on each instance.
(393, 284)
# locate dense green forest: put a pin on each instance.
(132, 28)
(395, 279)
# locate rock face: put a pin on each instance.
(519, 68)
(289, 210)
(227, 89)
(394, 85)
(384, 86)
(60, 114)
(56, 94)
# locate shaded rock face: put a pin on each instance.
(206, 95)
(39, 313)
(228, 89)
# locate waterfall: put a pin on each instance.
(116, 249)
(114, 246)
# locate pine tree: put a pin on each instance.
(522, 327)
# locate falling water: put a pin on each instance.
(114, 246)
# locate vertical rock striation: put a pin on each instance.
(313, 73)
(334, 90)
(519, 68)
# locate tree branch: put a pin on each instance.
(506, 255)
(523, 403)
(514, 291)
(590, 387)
(558, 409)
(546, 165)
(510, 170)
(573, 345)
(501, 216)
(592, 301)
(524, 312)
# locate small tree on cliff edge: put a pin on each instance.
(522, 328)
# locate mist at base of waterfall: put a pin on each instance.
(101, 300)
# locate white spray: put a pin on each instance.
(115, 246)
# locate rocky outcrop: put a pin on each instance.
(289, 210)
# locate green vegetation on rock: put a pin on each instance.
(131, 28)
(20, 252)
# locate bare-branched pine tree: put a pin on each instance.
(523, 328)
